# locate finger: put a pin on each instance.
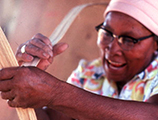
(12, 103)
(33, 50)
(5, 85)
(8, 73)
(36, 51)
(44, 39)
(43, 64)
(8, 95)
(59, 48)
(16, 103)
(24, 57)
(40, 44)
(19, 48)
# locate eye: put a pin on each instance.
(126, 41)
(104, 37)
(104, 33)
(107, 33)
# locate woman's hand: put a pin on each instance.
(39, 46)
(27, 87)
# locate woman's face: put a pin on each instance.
(121, 65)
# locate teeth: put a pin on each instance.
(114, 63)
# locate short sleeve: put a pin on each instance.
(86, 71)
(151, 88)
(76, 77)
(155, 88)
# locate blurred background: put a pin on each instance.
(22, 19)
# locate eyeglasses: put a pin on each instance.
(105, 37)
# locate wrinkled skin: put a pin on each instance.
(28, 87)
(32, 87)
(121, 65)
(41, 47)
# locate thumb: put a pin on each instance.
(59, 48)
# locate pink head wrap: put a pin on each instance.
(145, 11)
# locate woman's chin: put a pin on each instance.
(115, 72)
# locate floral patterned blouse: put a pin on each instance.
(91, 77)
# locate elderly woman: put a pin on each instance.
(124, 79)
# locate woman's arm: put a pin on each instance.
(40, 89)
(32, 87)
(50, 114)
(83, 105)
(41, 47)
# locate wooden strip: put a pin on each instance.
(7, 59)
(65, 24)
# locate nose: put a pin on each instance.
(113, 48)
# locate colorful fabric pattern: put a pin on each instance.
(91, 77)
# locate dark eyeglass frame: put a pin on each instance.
(100, 26)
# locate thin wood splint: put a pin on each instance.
(7, 59)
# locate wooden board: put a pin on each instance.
(7, 59)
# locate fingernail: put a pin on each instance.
(50, 53)
(30, 58)
(45, 55)
(50, 46)
(65, 46)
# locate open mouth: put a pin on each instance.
(116, 64)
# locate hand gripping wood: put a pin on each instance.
(7, 59)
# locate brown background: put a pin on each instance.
(21, 19)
